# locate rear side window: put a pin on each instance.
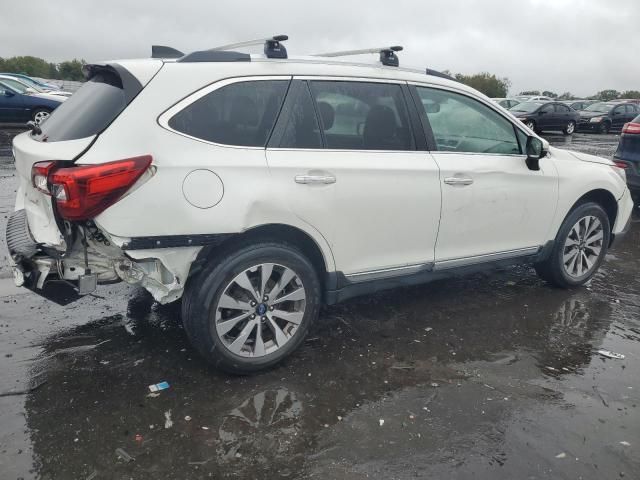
(88, 111)
(240, 114)
(363, 116)
(562, 108)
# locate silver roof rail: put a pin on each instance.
(387, 54)
(273, 47)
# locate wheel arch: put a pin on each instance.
(605, 199)
(277, 232)
(600, 196)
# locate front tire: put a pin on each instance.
(570, 128)
(249, 310)
(579, 247)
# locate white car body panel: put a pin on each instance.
(386, 210)
(506, 208)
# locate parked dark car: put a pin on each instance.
(22, 106)
(627, 155)
(580, 104)
(541, 116)
(602, 117)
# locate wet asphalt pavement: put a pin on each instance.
(493, 376)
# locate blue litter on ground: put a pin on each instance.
(158, 386)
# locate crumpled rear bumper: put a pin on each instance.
(33, 268)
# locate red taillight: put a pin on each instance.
(631, 127)
(621, 164)
(85, 191)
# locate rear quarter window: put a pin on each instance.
(88, 111)
(241, 114)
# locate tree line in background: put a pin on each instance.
(37, 67)
(496, 87)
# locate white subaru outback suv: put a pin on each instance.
(258, 188)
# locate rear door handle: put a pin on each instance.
(315, 179)
(458, 181)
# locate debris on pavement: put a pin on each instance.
(381, 421)
(124, 455)
(609, 354)
(158, 387)
(168, 423)
(92, 475)
(625, 443)
(187, 418)
(561, 455)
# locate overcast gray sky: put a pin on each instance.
(577, 45)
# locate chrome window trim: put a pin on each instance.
(163, 119)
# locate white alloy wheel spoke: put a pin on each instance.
(241, 339)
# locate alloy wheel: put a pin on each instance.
(260, 310)
(40, 117)
(570, 128)
(582, 247)
(531, 125)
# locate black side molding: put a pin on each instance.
(340, 288)
(176, 241)
(161, 51)
(215, 56)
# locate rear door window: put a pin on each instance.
(241, 113)
(88, 111)
(362, 115)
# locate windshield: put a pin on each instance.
(527, 107)
(16, 85)
(32, 83)
(599, 107)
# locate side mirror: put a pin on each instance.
(8, 93)
(535, 151)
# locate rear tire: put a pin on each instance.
(604, 128)
(40, 115)
(570, 128)
(229, 317)
(579, 247)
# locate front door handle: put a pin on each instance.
(458, 181)
(315, 179)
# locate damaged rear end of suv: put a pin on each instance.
(54, 236)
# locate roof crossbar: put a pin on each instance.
(273, 47)
(387, 54)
